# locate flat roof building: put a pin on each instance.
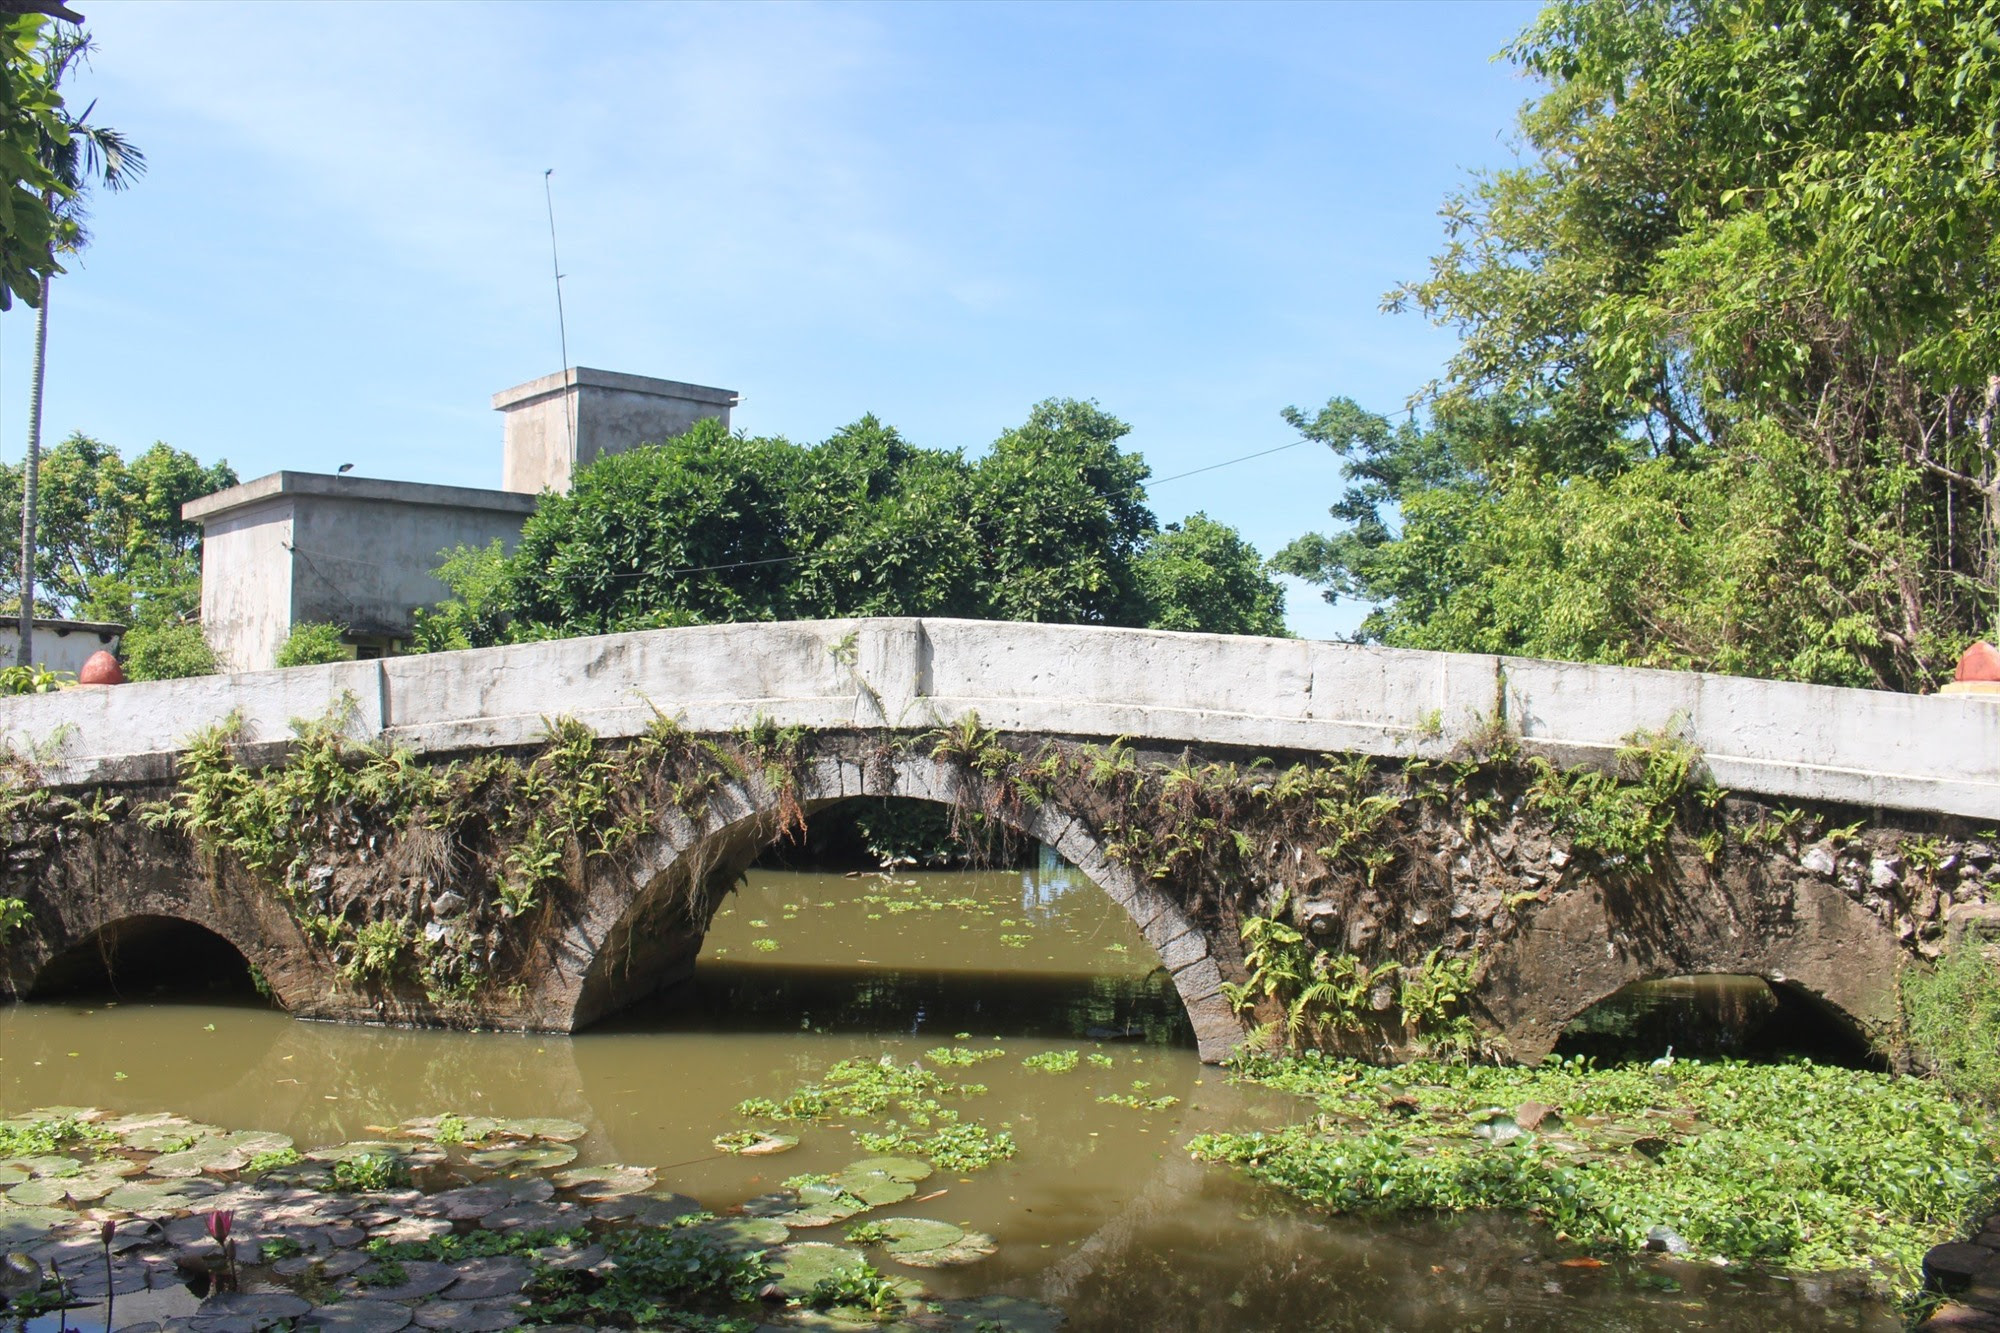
(293, 548)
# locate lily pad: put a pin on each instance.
(969, 1248)
(12, 1173)
(248, 1309)
(52, 1164)
(654, 1210)
(39, 1193)
(169, 1137)
(341, 1152)
(209, 1155)
(604, 1182)
(420, 1278)
(533, 1217)
(151, 1196)
(360, 1317)
(745, 1233)
(751, 1143)
(468, 1316)
(911, 1169)
(523, 1158)
(877, 1189)
(524, 1189)
(470, 1129)
(542, 1127)
(799, 1267)
(21, 1227)
(821, 1205)
(911, 1234)
(121, 1125)
(255, 1141)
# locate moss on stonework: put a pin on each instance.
(1347, 900)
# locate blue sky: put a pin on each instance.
(938, 213)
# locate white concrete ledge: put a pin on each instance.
(1803, 742)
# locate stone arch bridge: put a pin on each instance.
(1853, 840)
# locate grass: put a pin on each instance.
(1953, 1019)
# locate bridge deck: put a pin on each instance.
(1773, 739)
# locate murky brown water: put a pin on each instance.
(1101, 1212)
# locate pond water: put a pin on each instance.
(1100, 1213)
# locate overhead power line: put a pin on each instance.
(1227, 462)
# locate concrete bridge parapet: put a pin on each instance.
(1865, 748)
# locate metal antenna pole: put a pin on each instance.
(562, 328)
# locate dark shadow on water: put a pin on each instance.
(150, 958)
(1712, 1018)
(746, 997)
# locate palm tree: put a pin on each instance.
(86, 155)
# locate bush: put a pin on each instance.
(1953, 1018)
(32, 680)
(168, 651)
(311, 643)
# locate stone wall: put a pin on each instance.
(1465, 860)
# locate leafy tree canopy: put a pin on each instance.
(111, 543)
(31, 119)
(1051, 524)
(1729, 336)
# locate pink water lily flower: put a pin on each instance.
(218, 1224)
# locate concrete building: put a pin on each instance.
(297, 547)
(560, 422)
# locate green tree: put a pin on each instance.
(1724, 390)
(112, 544)
(31, 112)
(1202, 575)
(77, 155)
(1059, 514)
(1051, 524)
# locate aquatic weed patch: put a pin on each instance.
(946, 1140)
(654, 1272)
(919, 1124)
(1796, 1166)
(38, 1138)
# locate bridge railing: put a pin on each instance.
(1775, 739)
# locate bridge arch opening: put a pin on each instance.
(1715, 1016)
(1048, 860)
(877, 833)
(150, 957)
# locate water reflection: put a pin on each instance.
(1710, 1017)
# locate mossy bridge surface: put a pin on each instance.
(1453, 848)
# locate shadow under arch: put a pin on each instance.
(1715, 1016)
(147, 954)
(641, 933)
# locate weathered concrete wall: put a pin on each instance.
(65, 645)
(562, 422)
(246, 599)
(1932, 754)
(295, 547)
